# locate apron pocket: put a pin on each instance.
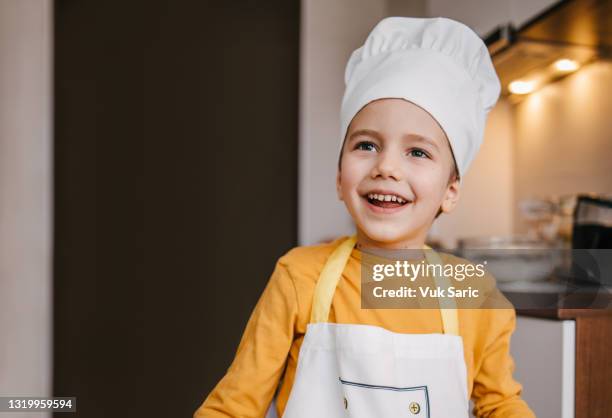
(363, 400)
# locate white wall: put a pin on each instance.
(331, 30)
(25, 198)
(563, 143)
(486, 202)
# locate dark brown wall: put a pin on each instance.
(175, 192)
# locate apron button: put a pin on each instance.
(414, 407)
(345, 404)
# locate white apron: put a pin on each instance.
(364, 371)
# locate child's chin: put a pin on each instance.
(383, 235)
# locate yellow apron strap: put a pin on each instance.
(332, 271)
(328, 280)
(448, 307)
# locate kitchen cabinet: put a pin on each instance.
(543, 350)
(562, 359)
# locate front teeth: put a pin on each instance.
(386, 198)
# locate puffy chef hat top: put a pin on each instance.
(438, 64)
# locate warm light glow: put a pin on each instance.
(521, 87)
(566, 65)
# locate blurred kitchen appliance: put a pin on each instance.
(511, 258)
(592, 226)
(592, 241)
(538, 215)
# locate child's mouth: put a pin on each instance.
(386, 201)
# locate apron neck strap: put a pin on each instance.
(328, 280)
(332, 272)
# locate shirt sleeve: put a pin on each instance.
(496, 394)
(249, 384)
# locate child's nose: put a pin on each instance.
(387, 166)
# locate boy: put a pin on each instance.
(416, 99)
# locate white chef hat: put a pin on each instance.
(438, 64)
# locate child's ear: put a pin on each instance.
(338, 188)
(451, 196)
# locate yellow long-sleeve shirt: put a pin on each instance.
(269, 348)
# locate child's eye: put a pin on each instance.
(419, 153)
(366, 146)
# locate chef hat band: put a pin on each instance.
(438, 64)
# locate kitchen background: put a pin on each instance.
(125, 178)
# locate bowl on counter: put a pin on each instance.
(512, 258)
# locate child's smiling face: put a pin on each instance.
(396, 172)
